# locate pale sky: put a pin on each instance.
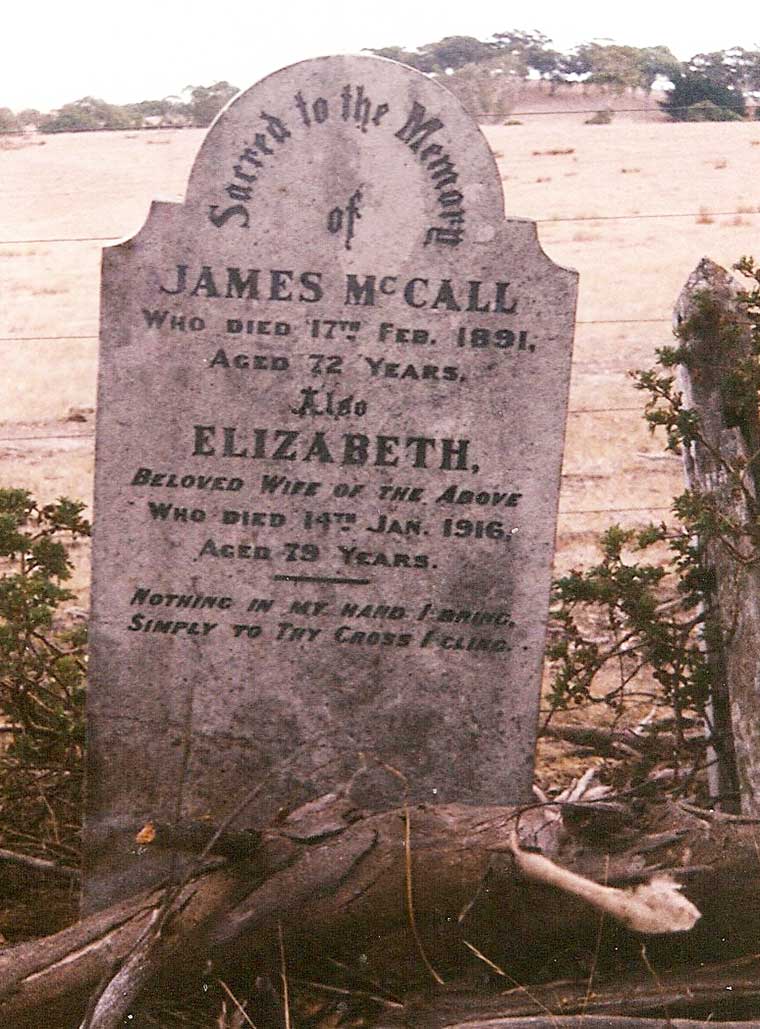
(56, 51)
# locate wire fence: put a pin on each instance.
(574, 412)
(700, 215)
(647, 216)
(579, 321)
(652, 109)
(615, 510)
(89, 437)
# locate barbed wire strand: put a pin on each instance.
(44, 437)
(60, 239)
(539, 221)
(600, 321)
(590, 110)
(580, 321)
(477, 114)
(89, 436)
(40, 339)
(515, 164)
(615, 510)
(642, 217)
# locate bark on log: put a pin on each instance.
(715, 338)
(598, 1022)
(337, 885)
(708, 992)
(51, 978)
(551, 1021)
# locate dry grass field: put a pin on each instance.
(632, 205)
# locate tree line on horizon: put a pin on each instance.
(196, 106)
(485, 74)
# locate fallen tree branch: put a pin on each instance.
(712, 815)
(709, 992)
(651, 908)
(622, 742)
(589, 1022)
(160, 939)
(336, 884)
(40, 865)
(197, 837)
(157, 945)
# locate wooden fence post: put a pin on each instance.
(715, 338)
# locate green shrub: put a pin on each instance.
(690, 89)
(706, 110)
(87, 115)
(642, 611)
(42, 676)
(8, 120)
(603, 117)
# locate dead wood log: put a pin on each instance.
(550, 1021)
(649, 996)
(337, 884)
(51, 978)
(41, 866)
(197, 837)
(600, 1022)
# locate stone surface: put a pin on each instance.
(333, 388)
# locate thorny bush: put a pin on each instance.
(641, 609)
(42, 676)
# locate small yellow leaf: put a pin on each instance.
(147, 834)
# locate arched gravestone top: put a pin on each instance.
(332, 397)
(379, 119)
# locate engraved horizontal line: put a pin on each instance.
(337, 580)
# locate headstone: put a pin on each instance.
(332, 399)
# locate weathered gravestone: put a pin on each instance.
(333, 389)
